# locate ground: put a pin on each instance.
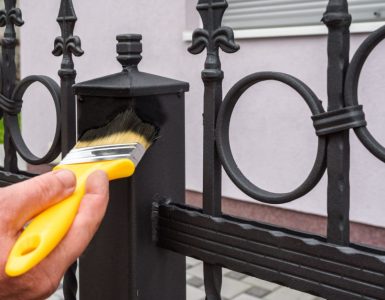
(235, 286)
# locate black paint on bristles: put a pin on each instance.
(125, 128)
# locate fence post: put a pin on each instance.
(122, 261)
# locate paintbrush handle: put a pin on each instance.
(48, 228)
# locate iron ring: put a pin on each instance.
(351, 87)
(223, 140)
(14, 128)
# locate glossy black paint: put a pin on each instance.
(123, 261)
(223, 138)
(212, 37)
(300, 261)
(67, 45)
(330, 267)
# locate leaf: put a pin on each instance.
(200, 41)
(58, 46)
(224, 38)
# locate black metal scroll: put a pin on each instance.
(351, 86)
(321, 266)
(11, 98)
(223, 141)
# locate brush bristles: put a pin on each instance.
(125, 128)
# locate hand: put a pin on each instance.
(20, 202)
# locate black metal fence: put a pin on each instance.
(331, 267)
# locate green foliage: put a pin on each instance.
(1, 132)
(2, 129)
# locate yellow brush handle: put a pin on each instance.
(47, 229)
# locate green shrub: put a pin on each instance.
(1, 132)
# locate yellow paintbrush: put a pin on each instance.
(116, 149)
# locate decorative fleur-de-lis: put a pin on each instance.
(224, 38)
(213, 36)
(3, 18)
(70, 45)
(200, 41)
(13, 16)
(67, 43)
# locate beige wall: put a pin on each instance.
(272, 134)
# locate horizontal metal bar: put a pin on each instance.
(8, 178)
(297, 260)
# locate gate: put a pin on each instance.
(330, 267)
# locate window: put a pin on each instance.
(259, 14)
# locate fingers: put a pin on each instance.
(26, 199)
(87, 221)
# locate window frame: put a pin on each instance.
(193, 21)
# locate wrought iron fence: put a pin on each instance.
(331, 267)
(11, 101)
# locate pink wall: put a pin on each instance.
(272, 135)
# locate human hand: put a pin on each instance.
(20, 202)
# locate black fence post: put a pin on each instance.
(122, 261)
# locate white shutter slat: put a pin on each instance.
(250, 14)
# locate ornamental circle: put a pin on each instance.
(223, 140)
(351, 86)
(13, 124)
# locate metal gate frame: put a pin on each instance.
(331, 266)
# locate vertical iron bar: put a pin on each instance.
(67, 45)
(212, 36)
(212, 78)
(12, 18)
(338, 19)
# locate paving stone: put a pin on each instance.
(261, 283)
(196, 271)
(195, 281)
(257, 292)
(191, 262)
(225, 271)
(235, 275)
(288, 294)
(232, 288)
(246, 297)
(194, 293)
(57, 296)
(235, 286)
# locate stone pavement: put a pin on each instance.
(235, 286)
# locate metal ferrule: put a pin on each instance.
(133, 152)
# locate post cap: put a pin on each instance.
(129, 49)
